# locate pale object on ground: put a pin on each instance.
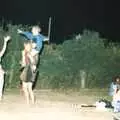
(101, 106)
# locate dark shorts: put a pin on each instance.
(28, 75)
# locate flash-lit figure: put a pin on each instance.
(33, 49)
(35, 36)
(28, 73)
(2, 72)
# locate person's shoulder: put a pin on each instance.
(39, 37)
(112, 83)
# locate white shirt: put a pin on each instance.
(2, 74)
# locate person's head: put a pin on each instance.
(27, 46)
(36, 30)
(116, 80)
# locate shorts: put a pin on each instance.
(27, 85)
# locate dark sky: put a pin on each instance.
(68, 16)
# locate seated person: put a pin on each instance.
(116, 95)
(116, 101)
(115, 85)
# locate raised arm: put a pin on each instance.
(6, 39)
(26, 34)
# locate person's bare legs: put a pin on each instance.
(1, 88)
(21, 89)
(31, 93)
(26, 92)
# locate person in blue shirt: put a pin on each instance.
(35, 37)
(36, 40)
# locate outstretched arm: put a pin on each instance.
(6, 39)
(44, 38)
(28, 35)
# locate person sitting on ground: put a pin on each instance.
(116, 95)
(116, 101)
(114, 86)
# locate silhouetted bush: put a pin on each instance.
(61, 65)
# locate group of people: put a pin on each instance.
(30, 58)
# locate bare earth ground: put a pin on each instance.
(51, 106)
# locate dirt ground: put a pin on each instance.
(51, 106)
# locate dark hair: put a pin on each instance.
(115, 78)
(26, 41)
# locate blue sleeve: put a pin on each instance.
(28, 35)
(39, 42)
(42, 37)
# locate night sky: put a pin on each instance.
(68, 16)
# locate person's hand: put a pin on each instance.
(46, 39)
(19, 31)
(7, 38)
